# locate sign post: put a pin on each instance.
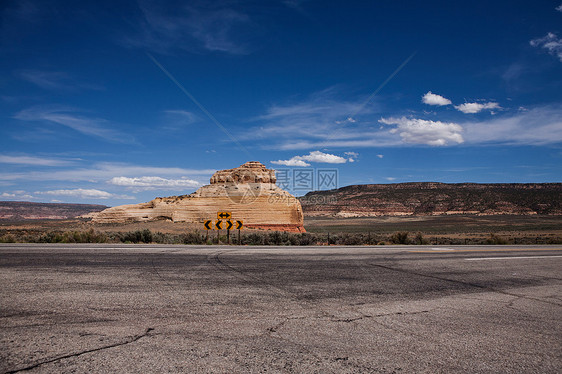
(229, 225)
(224, 217)
(208, 226)
(239, 226)
(218, 226)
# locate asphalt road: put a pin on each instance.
(415, 309)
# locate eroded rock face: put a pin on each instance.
(250, 172)
(249, 192)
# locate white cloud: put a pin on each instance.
(550, 42)
(559, 8)
(316, 122)
(320, 116)
(68, 117)
(54, 80)
(476, 107)
(291, 162)
(317, 156)
(349, 119)
(178, 119)
(18, 195)
(314, 156)
(536, 126)
(30, 160)
(311, 125)
(434, 99)
(419, 131)
(103, 171)
(352, 156)
(390, 179)
(380, 156)
(190, 27)
(45, 79)
(152, 183)
(84, 194)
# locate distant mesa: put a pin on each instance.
(248, 191)
(435, 199)
(25, 210)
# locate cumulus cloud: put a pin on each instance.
(380, 156)
(314, 156)
(419, 131)
(153, 183)
(291, 162)
(84, 194)
(550, 42)
(352, 156)
(559, 8)
(476, 107)
(434, 99)
(311, 125)
(18, 195)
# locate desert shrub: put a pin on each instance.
(371, 239)
(307, 239)
(192, 238)
(276, 237)
(494, 239)
(349, 239)
(399, 238)
(420, 240)
(7, 238)
(89, 236)
(163, 238)
(253, 239)
(139, 236)
(48, 237)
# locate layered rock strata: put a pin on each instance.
(431, 198)
(248, 192)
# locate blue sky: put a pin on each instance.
(119, 102)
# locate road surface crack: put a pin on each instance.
(76, 354)
(366, 316)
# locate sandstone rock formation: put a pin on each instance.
(248, 192)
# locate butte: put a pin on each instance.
(249, 192)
